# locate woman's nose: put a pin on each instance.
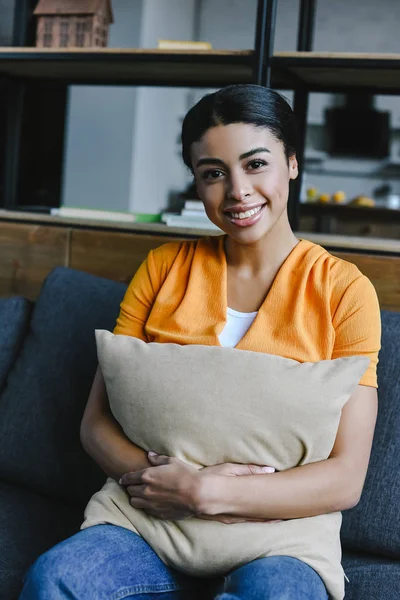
(238, 187)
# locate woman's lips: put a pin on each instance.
(246, 221)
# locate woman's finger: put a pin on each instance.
(139, 503)
(158, 459)
(133, 478)
(136, 491)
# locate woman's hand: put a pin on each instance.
(166, 490)
(236, 470)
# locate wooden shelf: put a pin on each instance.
(319, 71)
(339, 71)
(374, 213)
(347, 243)
(111, 66)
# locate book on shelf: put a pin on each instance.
(194, 205)
(183, 45)
(198, 214)
(177, 220)
(90, 213)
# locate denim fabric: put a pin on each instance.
(14, 319)
(47, 389)
(110, 563)
(374, 525)
(29, 525)
(371, 577)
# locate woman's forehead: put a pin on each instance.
(233, 140)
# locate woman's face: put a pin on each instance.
(242, 176)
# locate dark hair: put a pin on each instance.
(253, 104)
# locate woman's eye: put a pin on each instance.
(212, 174)
(256, 164)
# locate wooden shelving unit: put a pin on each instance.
(24, 71)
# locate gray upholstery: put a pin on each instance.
(29, 525)
(46, 478)
(371, 577)
(50, 384)
(14, 319)
(374, 524)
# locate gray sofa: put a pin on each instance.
(47, 364)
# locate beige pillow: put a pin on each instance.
(208, 405)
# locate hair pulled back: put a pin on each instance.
(244, 103)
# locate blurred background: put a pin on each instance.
(117, 148)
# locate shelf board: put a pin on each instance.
(112, 66)
(393, 173)
(377, 213)
(339, 71)
(339, 242)
(319, 71)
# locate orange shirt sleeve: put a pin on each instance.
(143, 289)
(138, 300)
(357, 325)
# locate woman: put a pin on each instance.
(256, 288)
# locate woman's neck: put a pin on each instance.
(267, 253)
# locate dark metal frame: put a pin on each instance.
(264, 41)
(15, 91)
(15, 104)
(305, 39)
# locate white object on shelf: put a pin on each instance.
(88, 213)
(196, 205)
(183, 45)
(198, 214)
(176, 220)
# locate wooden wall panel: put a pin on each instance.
(27, 254)
(383, 271)
(112, 255)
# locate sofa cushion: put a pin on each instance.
(14, 319)
(374, 524)
(30, 524)
(42, 406)
(371, 577)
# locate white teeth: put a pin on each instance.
(247, 214)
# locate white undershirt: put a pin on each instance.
(237, 324)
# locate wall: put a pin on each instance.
(6, 21)
(157, 167)
(100, 129)
(121, 149)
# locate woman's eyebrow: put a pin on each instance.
(210, 161)
(253, 151)
(220, 163)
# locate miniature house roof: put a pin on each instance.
(72, 7)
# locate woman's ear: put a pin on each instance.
(293, 167)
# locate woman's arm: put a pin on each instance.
(102, 436)
(331, 485)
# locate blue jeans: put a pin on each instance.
(106, 562)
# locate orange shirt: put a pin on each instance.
(318, 308)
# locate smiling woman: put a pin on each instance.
(240, 145)
(257, 288)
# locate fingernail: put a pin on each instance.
(268, 469)
(153, 454)
(120, 481)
